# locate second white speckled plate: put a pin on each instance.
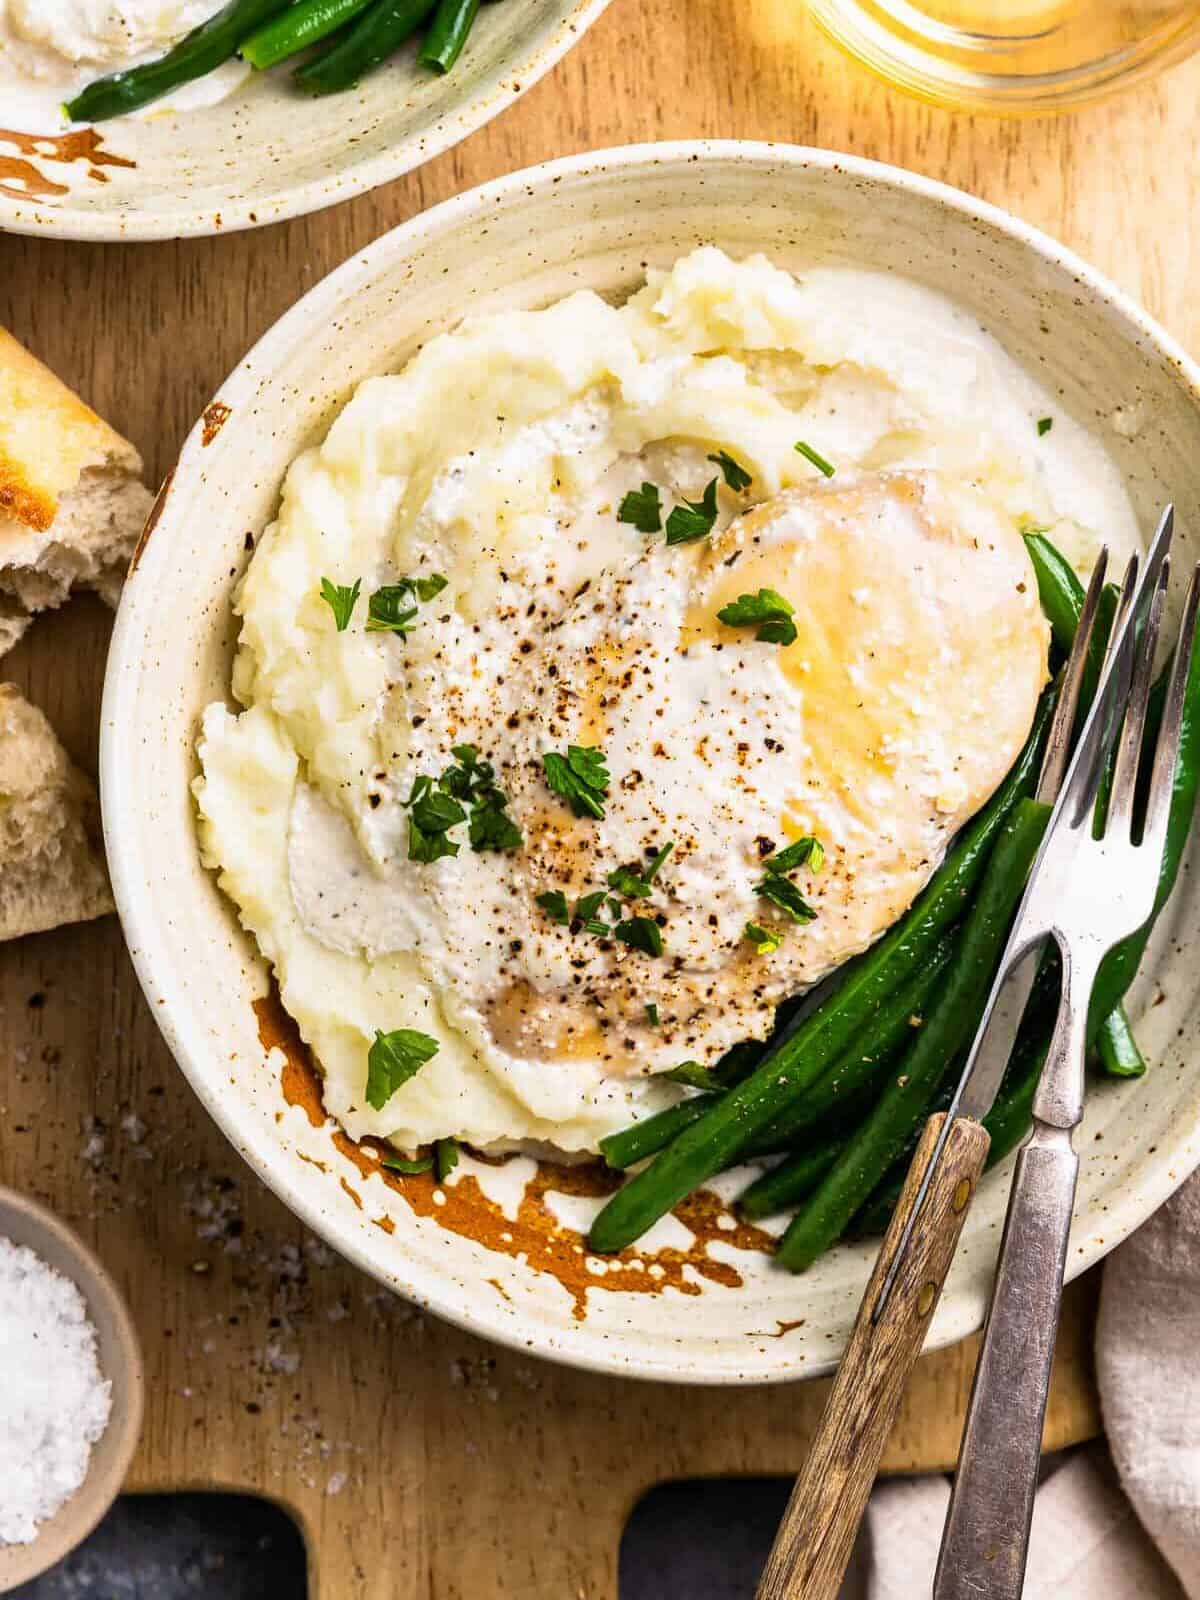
(267, 152)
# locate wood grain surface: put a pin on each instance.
(812, 1547)
(420, 1460)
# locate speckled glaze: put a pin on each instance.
(266, 152)
(596, 221)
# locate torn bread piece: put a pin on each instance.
(51, 855)
(72, 503)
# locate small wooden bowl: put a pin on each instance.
(27, 1223)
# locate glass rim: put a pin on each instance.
(924, 73)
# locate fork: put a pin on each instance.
(1094, 885)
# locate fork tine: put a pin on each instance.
(1058, 741)
(1162, 778)
(1129, 744)
(1100, 731)
(1091, 757)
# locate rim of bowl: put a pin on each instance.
(504, 87)
(456, 1301)
(81, 1513)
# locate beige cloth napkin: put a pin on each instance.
(1119, 1528)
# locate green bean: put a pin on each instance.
(1059, 589)
(792, 1180)
(859, 1070)
(1117, 1047)
(452, 22)
(1062, 597)
(741, 1116)
(647, 1138)
(882, 1038)
(1007, 1124)
(948, 1029)
(1010, 1118)
(304, 23)
(203, 50)
(378, 33)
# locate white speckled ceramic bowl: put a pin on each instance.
(266, 153)
(699, 1306)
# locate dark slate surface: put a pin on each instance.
(711, 1537)
(182, 1547)
(707, 1540)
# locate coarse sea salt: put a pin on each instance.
(54, 1402)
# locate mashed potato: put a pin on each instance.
(636, 645)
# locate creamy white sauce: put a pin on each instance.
(499, 458)
(51, 49)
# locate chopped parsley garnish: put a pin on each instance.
(640, 933)
(586, 908)
(693, 1076)
(340, 600)
(735, 475)
(1044, 425)
(807, 851)
(410, 1168)
(433, 811)
(776, 887)
(490, 826)
(580, 777)
(445, 1158)
(634, 880)
(783, 893)
(390, 609)
(694, 518)
(393, 1059)
(643, 508)
(633, 883)
(431, 814)
(764, 941)
(425, 588)
(554, 903)
(463, 780)
(652, 1013)
(767, 611)
(818, 460)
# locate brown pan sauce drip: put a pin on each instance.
(22, 179)
(214, 417)
(535, 1233)
(156, 511)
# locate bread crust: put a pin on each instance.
(52, 867)
(48, 437)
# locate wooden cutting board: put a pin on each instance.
(419, 1460)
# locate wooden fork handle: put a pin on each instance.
(817, 1533)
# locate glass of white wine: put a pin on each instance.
(1023, 56)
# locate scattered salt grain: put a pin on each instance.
(54, 1403)
(133, 1128)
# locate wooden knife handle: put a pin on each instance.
(816, 1536)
